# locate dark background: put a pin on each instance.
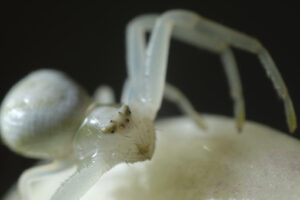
(86, 40)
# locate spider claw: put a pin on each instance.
(290, 115)
(199, 120)
(239, 114)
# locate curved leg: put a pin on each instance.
(136, 54)
(188, 26)
(175, 95)
(87, 174)
(37, 173)
(247, 43)
(136, 48)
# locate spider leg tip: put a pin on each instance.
(292, 127)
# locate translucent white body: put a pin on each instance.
(108, 135)
(135, 137)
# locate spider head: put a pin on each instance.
(117, 134)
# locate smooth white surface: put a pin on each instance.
(261, 164)
(40, 114)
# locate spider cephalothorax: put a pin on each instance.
(115, 133)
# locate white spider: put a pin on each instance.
(48, 116)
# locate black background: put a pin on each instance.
(86, 40)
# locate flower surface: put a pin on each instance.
(189, 163)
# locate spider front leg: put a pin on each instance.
(174, 95)
(191, 28)
(136, 47)
(136, 54)
(86, 175)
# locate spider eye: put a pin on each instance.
(118, 122)
(110, 128)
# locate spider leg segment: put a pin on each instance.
(104, 95)
(136, 55)
(37, 173)
(191, 28)
(173, 94)
(84, 178)
(136, 49)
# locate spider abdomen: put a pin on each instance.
(41, 113)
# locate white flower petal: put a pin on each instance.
(219, 164)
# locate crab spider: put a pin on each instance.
(47, 115)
